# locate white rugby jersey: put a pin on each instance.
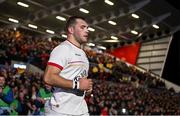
(74, 64)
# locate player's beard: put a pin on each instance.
(81, 40)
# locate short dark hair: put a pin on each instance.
(72, 20)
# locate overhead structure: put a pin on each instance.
(111, 21)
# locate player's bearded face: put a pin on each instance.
(81, 31)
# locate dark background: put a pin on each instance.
(171, 70)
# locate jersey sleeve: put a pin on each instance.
(59, 56)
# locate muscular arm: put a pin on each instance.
(52, 77)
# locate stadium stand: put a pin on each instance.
(119, 88)
(139, 32)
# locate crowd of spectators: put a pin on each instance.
(15, 45)
(110, 69)
(118, 88)
(24, 95)
(124, 98)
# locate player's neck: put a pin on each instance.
(74, 41)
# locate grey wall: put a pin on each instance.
(152, 55)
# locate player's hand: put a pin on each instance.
(85, 84)
(88, 92)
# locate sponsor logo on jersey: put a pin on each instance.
(77, 54)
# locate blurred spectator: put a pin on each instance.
(43, 95)
(6, 95)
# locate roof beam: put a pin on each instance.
(126, 1)
(59, 8)
(155, 20)
(104, 18)
(101, 37)
(37, 4)
(132, 8)
(24, 26)
(4, 21)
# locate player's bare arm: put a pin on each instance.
(52, 77)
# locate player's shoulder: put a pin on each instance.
(64, 46)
